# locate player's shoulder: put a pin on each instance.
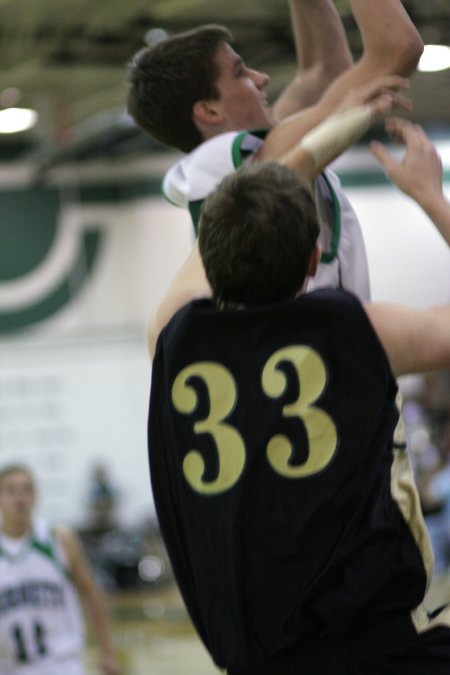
(335, 297)
(197, 174)
(338, 304)
(58, 538)
(191, 314)
(347, 315)
(42, 530)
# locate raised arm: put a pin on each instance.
(391, 46)
(415, 340)
(322, 54)
(328, 140)
(289, 133)
(190, 283)
(419, 173)
(391, 42)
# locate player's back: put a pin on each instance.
(270, 438)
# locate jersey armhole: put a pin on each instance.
(328, 256)
(48, 549)
(237, 150)
(238, 145)
(195, 209)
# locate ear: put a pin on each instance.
(207, 113)
(314, 260)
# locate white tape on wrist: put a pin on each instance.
(336, 134)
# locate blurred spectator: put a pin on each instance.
(43, 575)
(102, 500)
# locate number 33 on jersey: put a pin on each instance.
(307, 367)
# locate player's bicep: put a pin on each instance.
(415, 340)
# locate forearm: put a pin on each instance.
(97, 613)
(96, 610)
(283, 137)
(319, 35)
(322, 53)
(190, 283)
(392, 46)
(328, 140)
(437, 209)
(391, 43)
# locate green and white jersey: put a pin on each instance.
(195, 176)
(41, 626)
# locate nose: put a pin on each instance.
(260, 79)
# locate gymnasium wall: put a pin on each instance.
(85, 253)
(84, 256)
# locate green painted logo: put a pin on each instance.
(45, 258)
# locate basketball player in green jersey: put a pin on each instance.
(195, 93)
(43, 576)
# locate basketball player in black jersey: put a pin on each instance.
(290, 515)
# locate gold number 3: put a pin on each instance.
(320, 428)
(222, 393)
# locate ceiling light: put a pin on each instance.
(434, 58)
(155, 35)
(13, 120)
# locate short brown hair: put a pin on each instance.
(15, 468)
(168, 78)
(256, 235)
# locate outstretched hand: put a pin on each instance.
(419, 173)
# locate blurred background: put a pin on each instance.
(88, 246)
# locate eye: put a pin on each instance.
(239, 69)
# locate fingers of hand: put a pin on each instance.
(382, 155)
(391, 84)
(399, 101)
(402, 130)
(420, 149)
(389, 101)
(379, 85)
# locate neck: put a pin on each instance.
(208, 133)
(16, 530)
(211, 130)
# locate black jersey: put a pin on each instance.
(284, 506)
